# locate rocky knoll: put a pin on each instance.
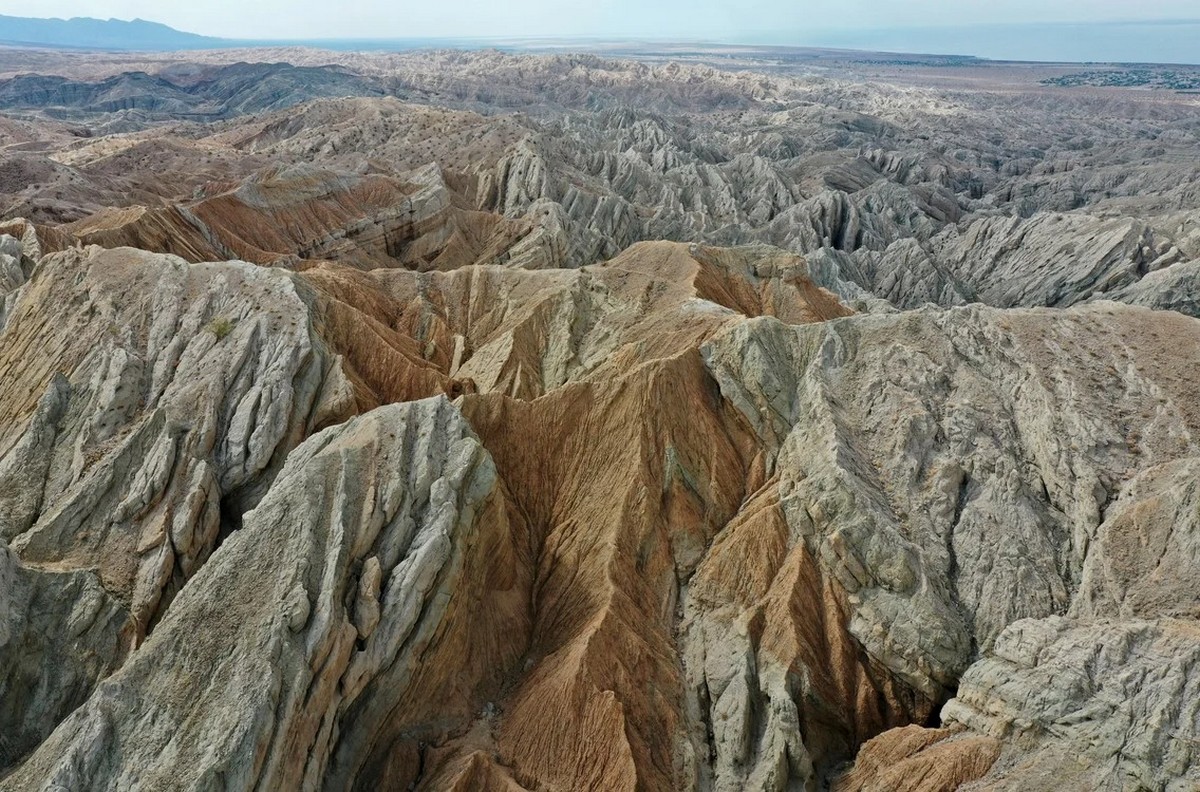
(966, 493)
(398, 514)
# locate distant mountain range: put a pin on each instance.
(111, 34)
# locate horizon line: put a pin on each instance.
(660, 38)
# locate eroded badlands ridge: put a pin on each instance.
(378, 451)
(687, 521)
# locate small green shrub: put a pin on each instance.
(221, 327)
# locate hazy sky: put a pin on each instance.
(726, 20)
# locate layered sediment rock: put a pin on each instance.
(369, 222)
(715, 528)
(447, 480)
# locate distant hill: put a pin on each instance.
(110, 34)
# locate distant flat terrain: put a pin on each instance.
(378, 60)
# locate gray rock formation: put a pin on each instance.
(159, 394)
(60, 632)
(952, 481)
(1170, 289)
(17, 259)
(1050, 259)
(356, 558)
(12, 274)
(1088, 705)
